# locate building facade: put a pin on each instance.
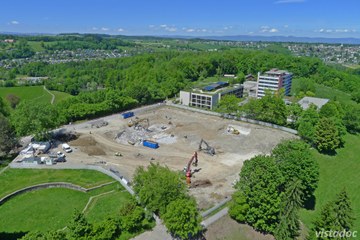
(209, 96)
(274, 80)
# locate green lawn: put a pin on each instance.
(59, 96)
(337, 172)
(27, 93)
(14, 179)
(36, 46)
(33, 93)
(330, 93)
(52, 209)
(107, 205)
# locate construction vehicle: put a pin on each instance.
(136, 123)
(233, 130)
(193, 161)
(208, 149)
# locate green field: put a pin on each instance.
(337, 172)
(14, 179)
(52, 209)
(330, 93)
(33, 93)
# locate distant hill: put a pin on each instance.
(244, 38)
(285, 39)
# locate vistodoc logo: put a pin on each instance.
(336, 234)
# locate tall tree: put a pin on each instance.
(327, 137)
(289, 224)
(33, 117)
(261, 182)
(7, 136)
(295, 161)
(336, 215)
(158, 186)
(182, 218)
(307, 123)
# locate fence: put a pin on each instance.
(227, 116)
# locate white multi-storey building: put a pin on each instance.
(273, 80)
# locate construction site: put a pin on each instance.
(208, 150)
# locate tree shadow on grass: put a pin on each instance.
(12, 236)
(310, 203)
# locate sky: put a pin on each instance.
(305, 18)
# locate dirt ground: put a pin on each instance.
(178, 133)
(228, 229)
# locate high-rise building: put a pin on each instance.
(273, 80)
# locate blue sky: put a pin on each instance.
(312, 18)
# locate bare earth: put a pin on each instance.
(178, 133)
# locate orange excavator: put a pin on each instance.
(193, 161)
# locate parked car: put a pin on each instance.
(66, 148)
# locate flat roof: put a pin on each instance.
(215, 86)
(318, 102)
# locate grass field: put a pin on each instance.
(14, 179)
(36, 46)
(337, 172)
(52, 209)
(33, 93)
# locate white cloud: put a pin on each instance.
(267, 29)
(250, 32)
(120, 30)
(190, 30)
(339, 30)
(163, 26)
(151, 26)
(171, 29)
(94, 28)
(14, 22)
(104, 29)
(289, 1)
(286, 26)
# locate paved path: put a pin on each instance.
(159, 232)
(52, 95)
(215, 217)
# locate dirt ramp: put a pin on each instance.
(88, 145)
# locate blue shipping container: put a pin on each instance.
(127, 114)
(150, 144)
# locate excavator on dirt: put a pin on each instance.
(137, 123)
(193, 161)
(206, 148)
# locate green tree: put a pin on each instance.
(33, 117)
(307, 123)
(327, 137)
(79, 228)
(7, 137)
(51, 235)
(336, 215)
(228, 104)
(295, 161)
(13, 100)
(351, 118)
(294, 112)
(182, 218)
(289, 225)
(133, 217)
(238, 207)
(261, 182)
(158, 186)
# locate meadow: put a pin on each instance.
(52, 209)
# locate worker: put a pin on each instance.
(188, 178)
